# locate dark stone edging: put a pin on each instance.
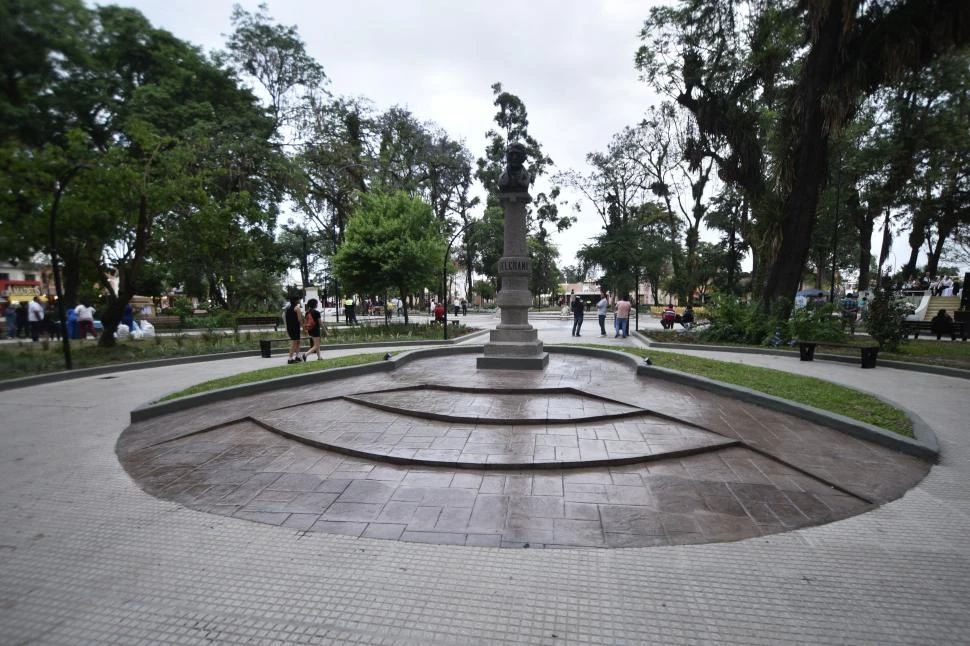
(147, 411)
(80, 373)
(943, 371)
(150, 410)
(925, 446)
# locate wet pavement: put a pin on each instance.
(582, 454)
(87, 557)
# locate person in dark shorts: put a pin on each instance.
(578, 310)
(311, 323)
(294, 329)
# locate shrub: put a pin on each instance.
(735, 322)
(823, 323)
(884, 319)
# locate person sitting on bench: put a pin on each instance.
(668, 318)
(687, 318)
(942, 324)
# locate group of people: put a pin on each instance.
(31, 319)
(299, 321)
(621, 320)
(438, 309)
(938, 286)
(669, 317)
(27, 320)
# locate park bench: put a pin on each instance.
(916, 327)
(260, 321)
(163, 321)
(806, 351)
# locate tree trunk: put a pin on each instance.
(808, 160)
(864, 226)
(126, 278)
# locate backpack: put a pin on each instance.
(308, 322)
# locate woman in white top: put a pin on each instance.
(601, 308)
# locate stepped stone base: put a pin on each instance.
(514, 347)
(514, 363)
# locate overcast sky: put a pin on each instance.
(570, 61)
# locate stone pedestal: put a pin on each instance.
(514, 344)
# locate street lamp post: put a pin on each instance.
(55, 262)
(444, 274)
(835, 228)
(636, 292)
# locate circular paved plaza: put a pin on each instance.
(582, 454)
(88, 557)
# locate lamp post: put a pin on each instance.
(444, 273)
(835, 228)
(65, 339)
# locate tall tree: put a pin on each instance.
(393, 242)
(773, 82)
(275, 57)
(512, 123)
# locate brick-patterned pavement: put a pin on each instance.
(87, 557)
(509, 459)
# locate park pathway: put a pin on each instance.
(86, 557)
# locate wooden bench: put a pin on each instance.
(806, 351)
(163, 321)
(260, 321)
(915, 327)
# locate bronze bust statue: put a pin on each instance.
(516, 177)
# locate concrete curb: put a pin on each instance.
(150, 410)
(80, 373)
(925, 446)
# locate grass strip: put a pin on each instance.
(265, 374)
(811, 391)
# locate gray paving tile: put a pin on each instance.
(75, 529)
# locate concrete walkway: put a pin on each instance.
(86, 557)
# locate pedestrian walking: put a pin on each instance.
(578, 309)
(602, 306)
(313, 327)
(623, 308)
(293, 316)
(35, 318)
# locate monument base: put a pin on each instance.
(514, 363)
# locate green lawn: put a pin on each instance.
(264, 374)
(804, 390)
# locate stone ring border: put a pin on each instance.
(925, 445)
(493, 466)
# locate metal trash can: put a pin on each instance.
(265, 348)
(806, 351)
(869, 357)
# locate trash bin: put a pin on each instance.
(869, 357)
(265, 348)
(806, 351)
